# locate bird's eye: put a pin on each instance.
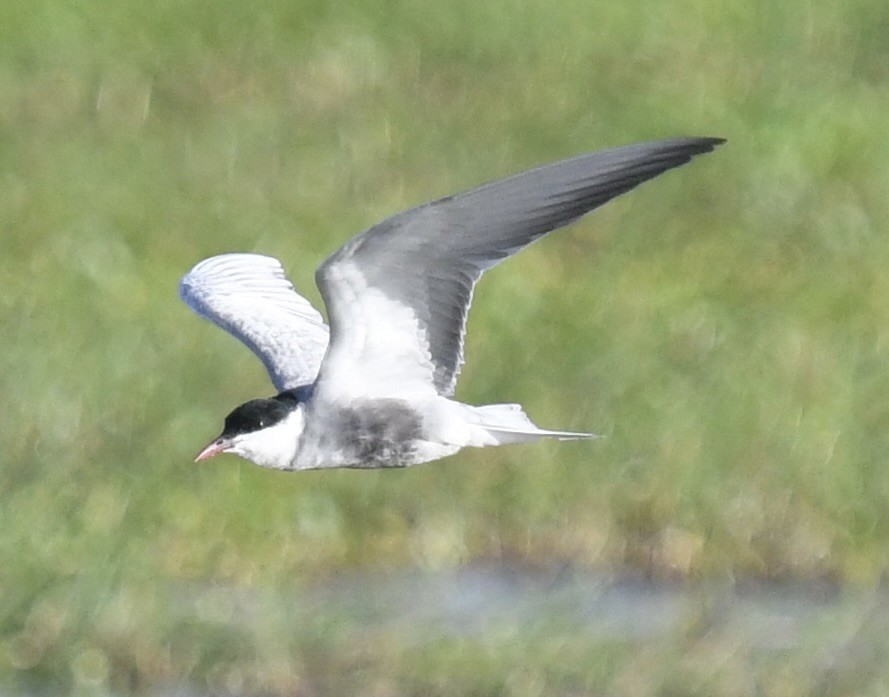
(262, 423)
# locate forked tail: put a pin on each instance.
(507, 423)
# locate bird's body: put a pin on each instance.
(374, 390)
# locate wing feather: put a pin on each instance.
(249, 296)
(398, 294)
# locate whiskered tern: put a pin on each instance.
(374, 388)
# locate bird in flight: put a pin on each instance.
(373, 389)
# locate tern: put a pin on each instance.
(373, 389)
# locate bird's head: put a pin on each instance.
(264, 431)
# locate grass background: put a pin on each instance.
(726, 326)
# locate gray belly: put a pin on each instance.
(373, 433)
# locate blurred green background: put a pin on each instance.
(726, 326)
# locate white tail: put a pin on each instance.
(507, 423)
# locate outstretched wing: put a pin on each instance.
(250, 297)
(397, 295)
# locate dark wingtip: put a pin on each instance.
(708, 143)
(684, 149)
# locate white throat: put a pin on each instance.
(275, 446)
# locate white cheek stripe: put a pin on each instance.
(273, 447)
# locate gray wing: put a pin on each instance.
(250, 297)
(398, 294)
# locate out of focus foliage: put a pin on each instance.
(726, 326)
